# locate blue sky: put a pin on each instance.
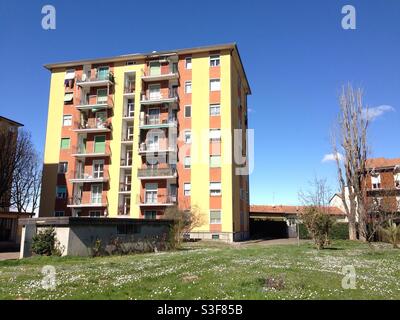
(295, 53)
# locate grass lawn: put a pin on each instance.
(212, 271)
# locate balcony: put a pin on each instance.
(160, 74)
(147, 148)
(129, 89)
(157, 173)
(77, 202)
(125, 188)
(157, 200)
(95, 102)
(93, 126)
(124, 210)
(96, 177)
(151, 122)
(126, 164)
(96, 80)
(171, 96)
(81, 151)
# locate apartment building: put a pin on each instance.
(383, 183)
(130, 136)
(9, 134)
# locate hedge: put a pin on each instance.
(340, 231)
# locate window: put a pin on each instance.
(376, 181)
(67, 120)
(65, 142)
(98, 169)
(398, 203)
(215, 161)
(152, 215)
(155, 68)
(68, 97)
(59, 213)
(70, 74)
(188, 63)
(151, 193)
(102, 73)
(188, 87)
(215, 134)
(61, 192)
(62, 167)
(215, 188)
(215, 85)
(154, 91)
(130, 63)
(215, 237)
(186, 189)
(215, 217)
(101, 96)
(188, 136)
(187, 162)
(95, 214)
(97, 190)
(188, 111)
(397, 180)
(99, 144)
(214, 60)
(215, 109)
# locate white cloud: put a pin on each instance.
(331, 157)
(372, 113)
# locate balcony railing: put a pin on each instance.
(78, 201)
(81, 176)
(83, 151)
(93, 124)
(159, 199)
(126, 163)
(95, 77)
(124, 210)
(150, 120)
(125, 187)
(160, 97)
(156, 148)
(162, 73)
(129, 87)
(157, 172)
(95, 101)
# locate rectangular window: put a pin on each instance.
(63, 167)
(215, 188)
(151, 193)
(155, 68)
(188, 87)
(188, 63)
(376, 181)
(215, 217)
(187, 162)
(61, 192)
(188, 111)
(95, 214)
(188, 136)
(59, 213)
(215, 134)
(215, 161)
(102, 73)
(215, 109)
(397, 180)
(214, 60)
(70, 74)
(186, 189)
(96, 194)
(215, 237)
(99, 144)
(67, 120)
(101, 96)
(215, 85)
(65, 143)
(98, 169)
(152, 215)
(68, 97)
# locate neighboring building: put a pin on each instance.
(11, 128)
(281, 221)
(383, 183)
(111, 146)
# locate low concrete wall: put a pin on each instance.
(77, 235)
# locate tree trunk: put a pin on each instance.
(352, 230)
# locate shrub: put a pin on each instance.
(318, 225)
(45, 243)
(391, 233)
(339, 231)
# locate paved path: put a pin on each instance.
(9, 255)
(270, 242)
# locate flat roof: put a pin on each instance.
(15, 123)
(153, 54)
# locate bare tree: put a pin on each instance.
(351, 167)
(20, 169)
(318, 195)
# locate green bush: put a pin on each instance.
(45, 243)
(339, 231)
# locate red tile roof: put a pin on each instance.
(281, 209)
(382, 163)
